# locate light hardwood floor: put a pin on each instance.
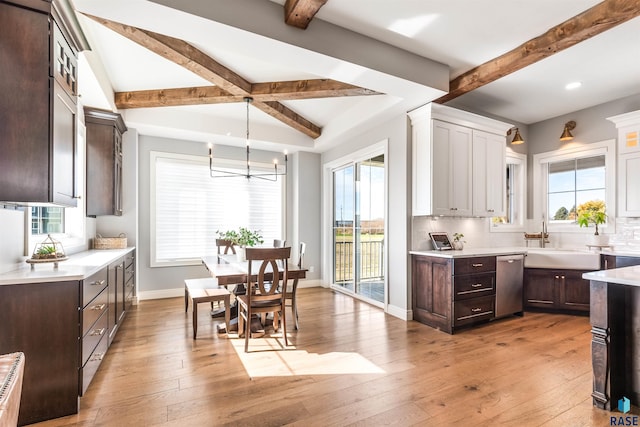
(350, 364)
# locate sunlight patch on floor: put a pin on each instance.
(267, 357)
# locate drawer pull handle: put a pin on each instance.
(476, 265)
(97, 332)
(96, 357)
(476, 310)
(98, 282)
(476, 285)
(99, 307)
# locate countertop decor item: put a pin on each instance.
(593, 212)
(119, 242)
(458, 243)
(49, 250)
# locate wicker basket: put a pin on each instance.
(119, 242)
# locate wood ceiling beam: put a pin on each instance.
(299, 13)
(196, 61)
(593, 21)
(261, 92)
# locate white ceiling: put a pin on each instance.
(407, 49)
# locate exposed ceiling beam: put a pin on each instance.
(299, 13)
(593, 21)
(261, 92)
(193, 59)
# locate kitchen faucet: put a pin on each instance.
(543, 234)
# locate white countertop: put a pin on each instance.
(620, 252)
(472, 252)
(78, 267)
(624, 276)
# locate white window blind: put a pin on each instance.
(188, 207)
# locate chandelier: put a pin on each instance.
(226, 173)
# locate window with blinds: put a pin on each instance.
(188, 207)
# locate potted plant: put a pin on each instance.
(593, 212)
(458, 243)
(243, 238)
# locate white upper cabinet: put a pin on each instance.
(458, 162)
(489, 174)
(628, 125)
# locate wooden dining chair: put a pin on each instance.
(264, 291)
(225, 247)
(290, 294)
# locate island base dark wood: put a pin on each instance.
(615, 343)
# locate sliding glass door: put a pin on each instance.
(358, 228)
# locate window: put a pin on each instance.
(516, 194)
(188, 207)
(47, 220)
(572, 183)
(567, 178)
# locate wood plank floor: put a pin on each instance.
(349, 365)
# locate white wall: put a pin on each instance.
(398, 219)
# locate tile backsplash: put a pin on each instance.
(627, 235)
(476, 234)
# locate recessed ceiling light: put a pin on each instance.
(573, 85)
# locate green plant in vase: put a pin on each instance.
(458, 243)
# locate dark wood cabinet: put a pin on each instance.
(556, 290)
(41, 320)
(615, 261)
(431, 281)
(452, 293)
(38, 104)
(63, 328)
(104, 162)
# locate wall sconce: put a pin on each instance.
(517, 138)
(566, 133)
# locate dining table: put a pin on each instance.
(230, 272)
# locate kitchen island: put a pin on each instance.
(459, 289)
(615, 342)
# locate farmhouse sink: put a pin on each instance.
(562, 258)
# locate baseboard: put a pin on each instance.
(399, 312)
(160, 294)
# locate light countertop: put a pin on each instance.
(624, 276)
(472, 252)
(78, 267)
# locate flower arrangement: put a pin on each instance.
(592, 212)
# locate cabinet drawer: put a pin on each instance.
(474, 265)
(93, 336)
(94, 310)
(89, 369)
(473, 310)
(474, 285)
(93, 285)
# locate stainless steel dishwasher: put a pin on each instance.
(509, 277)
